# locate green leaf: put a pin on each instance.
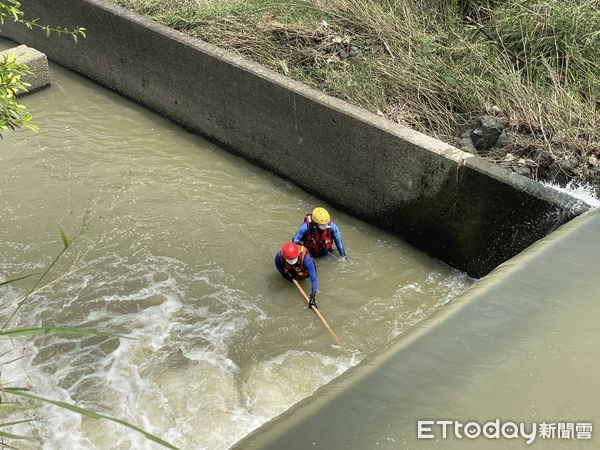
(12, 408)
(12, 436)
(17, 422)
(13, 280)
(88, 413)
(59, 330)
(64, 237)
(34, 287)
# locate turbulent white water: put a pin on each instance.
(177, 252)
(582, 191)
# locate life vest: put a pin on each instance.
(317, 241)
(297, 269)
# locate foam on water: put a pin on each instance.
(177, 378)
(582, 191)
(270, 385)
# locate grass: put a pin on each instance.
(431, 65)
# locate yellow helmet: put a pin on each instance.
(321, 216)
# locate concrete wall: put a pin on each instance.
(455, 207)
(37, 63)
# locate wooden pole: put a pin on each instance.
(318, 313)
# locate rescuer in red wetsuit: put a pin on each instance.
(294, 261)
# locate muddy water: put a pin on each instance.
(520, 347)
(174, 242)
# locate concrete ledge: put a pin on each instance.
(455, 207)
(37, 63)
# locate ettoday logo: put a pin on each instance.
(496, 429)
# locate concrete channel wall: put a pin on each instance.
(455, 207)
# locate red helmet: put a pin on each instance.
(289, 250)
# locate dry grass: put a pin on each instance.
(433, 66)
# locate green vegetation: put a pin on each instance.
(11, 9)
(14, 115)
(431, 65)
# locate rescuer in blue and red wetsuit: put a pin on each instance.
(294, 261)
(318, 233)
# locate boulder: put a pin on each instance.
(486, 132)
(466, 145)
(543, 160)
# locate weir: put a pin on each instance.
(456, 207)
(520, 345)
(174, 241)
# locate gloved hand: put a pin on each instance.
(312, 303)
(288, 276)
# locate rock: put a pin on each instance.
(593, 161)
(486, 132)
(505, 140)
(571, 164)
(519, 169)
(594, 174)
(466, 145)
(542, 159)
(526, 162)
(556, 174)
